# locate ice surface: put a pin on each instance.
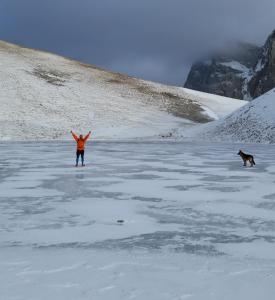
(197, 224)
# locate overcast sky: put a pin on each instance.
(152, 39)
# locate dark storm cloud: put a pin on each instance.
(153, 39)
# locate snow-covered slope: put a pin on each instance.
(253, 123)
(44, 96)
(214, 105)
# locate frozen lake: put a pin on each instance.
(197, 224)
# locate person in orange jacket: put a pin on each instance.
(80, 146)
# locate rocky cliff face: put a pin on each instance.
(263, 78)
(244, 72)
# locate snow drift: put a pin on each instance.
(253, 123)
(44, 96)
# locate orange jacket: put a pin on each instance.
(81, 141)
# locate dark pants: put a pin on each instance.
(80, 153)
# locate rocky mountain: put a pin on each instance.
(243, 72)
(263, 78)
(44, 96)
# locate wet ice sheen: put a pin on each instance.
(197, 225)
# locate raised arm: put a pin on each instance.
(74, 136)
(87, 136)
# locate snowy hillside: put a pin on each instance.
(253, 123)
(44, 96)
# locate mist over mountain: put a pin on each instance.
(155, 40)
(243, 71)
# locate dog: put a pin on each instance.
(247, 158)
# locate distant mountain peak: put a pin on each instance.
(244, 71)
